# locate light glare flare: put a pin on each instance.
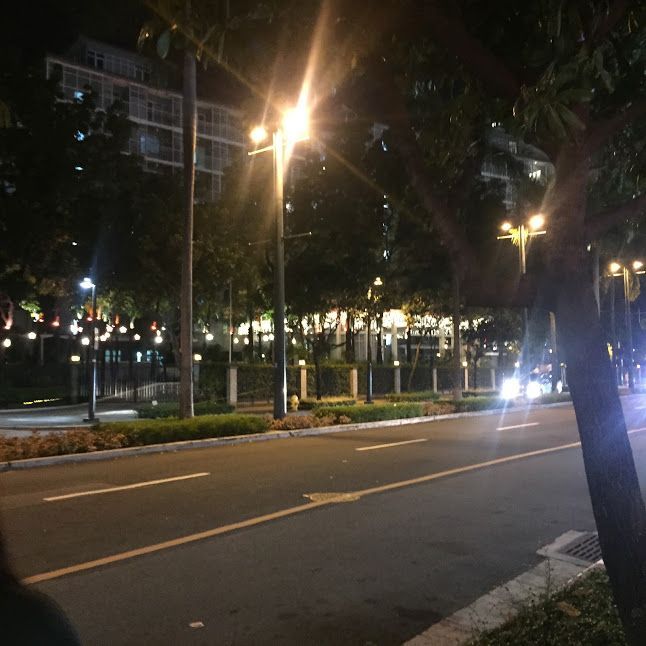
(537, 222)
(614, 267)
(258, 134)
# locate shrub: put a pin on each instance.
(313, 404)
(420, 396)
(293, 422)
(171, 409)
(371, 413)
(439, 408)
(142, 432)
(124, 434)
(554, 398)
(472, 404)
(580, 615)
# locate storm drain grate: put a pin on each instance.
(584, 548)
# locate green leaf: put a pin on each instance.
(569, 118)
(163, 44)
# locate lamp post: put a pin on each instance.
(371, 299)
(292, 130)
(87, 283)
(616, 269)
(519, 235)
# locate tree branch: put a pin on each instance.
(598, 224)
(614, 15)
(600, 131)
(490, 69)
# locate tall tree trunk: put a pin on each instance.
(380, 351)
(457, 345)
(615, 495)
(349, 340)
(189, 132)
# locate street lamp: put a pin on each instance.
(617, 269)
(87, 283)
(519, 236)
(371, 299)
(292, 130)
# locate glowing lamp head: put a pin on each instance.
(75, 358)
(209, 336)
(637, 265)
(6, 343)
(123, 329)
(158, 340)
(258, 135)
(31, 335)
(615, 267)
(85, 340)
(378, 282)
(295, 124)
(137, 337)
(505, 226)
(537, 222)
(197, 357)
(86, 283)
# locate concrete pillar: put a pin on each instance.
(339, 343)
(466, 378)
(441, 342)
(303, 394)
(434, 380)
(354, 383)
(232, 385)
(393, 342)
(397, 379)
(493, 378)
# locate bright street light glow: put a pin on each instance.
(537, 222)
(295, 124)
(7, 343)
(614, 267)
(85, 340)
(505, 226)
(123, 329)
(136, 337)
(637, 264)
(209, 336)
(158, 339)
(378, 282)
(75, 358)
(197, 357)
(31, 335)
(86, 283)
(258, 134)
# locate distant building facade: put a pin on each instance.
(146, 90)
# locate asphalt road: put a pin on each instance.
(376, 566)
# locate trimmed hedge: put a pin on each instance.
(370, 413)
(117, 435)
(171, 409)
(313, 404)
(142, 432)
(421, 396)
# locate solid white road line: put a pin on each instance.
(136, 485)
(508, 428)
(387, 446)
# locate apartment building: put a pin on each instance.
(149, 92)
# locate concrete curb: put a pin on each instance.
(505, 601)
(111, 454)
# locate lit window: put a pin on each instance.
(78, 95)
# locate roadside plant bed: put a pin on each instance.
(313, 404)
(373, 413)
(119, 435)
(419, 396)
(582, 615)
(171, 409)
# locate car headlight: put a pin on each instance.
(510, 388)
(533, 390)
